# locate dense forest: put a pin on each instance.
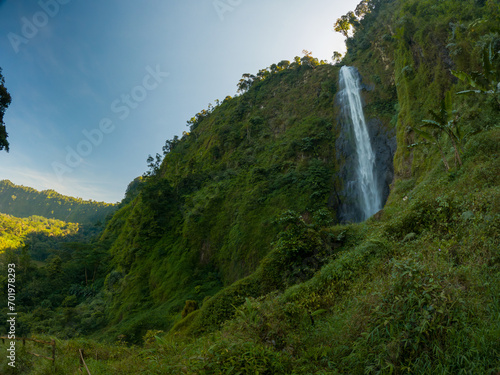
(41, 234)
(15, 231)
(22, 201)
(56, 262)
(231, 256)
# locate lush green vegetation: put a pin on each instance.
(41, 235)
(225, 257)
(15, 232)
(204, 215)
(57, 267)
(22, 201)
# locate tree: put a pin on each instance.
(337, 57)
(446, 121)
(443, 122)
(345, 23)
(362, 8)
(487, 82)
(263, 74)
(170, 144)
(284, 64)
(243, 86)
(246, 82)
(54, 268)
(5, 100)
(365, 7)
(433, 139)
(154, 166)
(296, 62)
(133, 190)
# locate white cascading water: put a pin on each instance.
(370, 197)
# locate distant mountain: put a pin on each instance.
(22, 201)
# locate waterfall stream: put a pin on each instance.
(370, 200)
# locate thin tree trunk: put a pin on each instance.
(457, 153)
(443, 157)
(95, 271)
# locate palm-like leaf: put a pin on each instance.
(469, 92)
(433, 124)
(447, 107)
(458, 132)
(444, 122)
(463, 77)
(427, 136)
(474, 79)
(485, 82)
(487, 60)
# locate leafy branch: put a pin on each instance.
(486, 82)
(443, 122)
(433, 139)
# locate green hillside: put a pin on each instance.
(15, 232)
(204, 218)
(230, 255)
(22, 201)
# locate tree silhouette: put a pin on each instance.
(345, 23)
(337, 57)
(5, 100)
(284, 64)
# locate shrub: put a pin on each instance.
(189, 307)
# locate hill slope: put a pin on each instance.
(21, 201)
(206, 215)
(240, 172)
(15, 231)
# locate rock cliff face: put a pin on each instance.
(347, 196)
(384, 146)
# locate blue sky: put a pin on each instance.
(99, 85)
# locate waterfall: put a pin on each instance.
(369, 196)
